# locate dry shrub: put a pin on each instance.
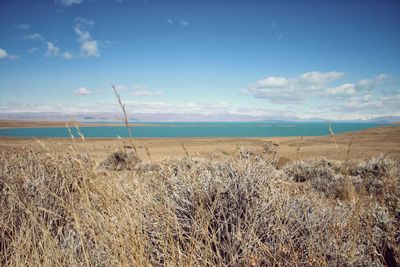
(376, 167)
(58, 211)
(301, 171)
(374, 172)
(121, 160)
(238, 210)
(324, 176)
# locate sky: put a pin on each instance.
(325, 59)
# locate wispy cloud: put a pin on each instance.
(82, 22)
(68, 2)
(139, 87)
(33, 37)
(22, 27)
(67, 55)
(352, 109)
(363, 86)
(288, 89)
(4, 55)
(82, 91)
(133, 106)
(146, 93)
(284, 90)
(142, 90)
(89, 46)
(276, 29)
(344, 89)
(52, 50)
(183, 23)
(32, 50)
(316, 79)
(322, 94)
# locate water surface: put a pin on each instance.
(197, 129)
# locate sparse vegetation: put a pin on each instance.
(242, 209)
(232, 210)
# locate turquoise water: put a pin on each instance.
(196, 129)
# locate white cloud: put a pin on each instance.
(82, 22)
(318, 94)
(146, 93)
(67, 55)
(13, 57)
(358, 104)
(344, 89)
(89, 47)
(283, 89)
(318, 79)
(33, 37)
(72, 2)
(68, 2)
(181, 108)
(277, 82)
(52, 50)
(131, 107)
(371, 84)
(352, 109)
(139, 87)
(361, 87)
(82, 91)
(142, 90)
(183, 23)
(392, 98)
(22, 27)
(5, 55)
(32, 50)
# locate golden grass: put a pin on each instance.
(234, 210)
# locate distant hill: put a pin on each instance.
(386, 119)
(169, 117)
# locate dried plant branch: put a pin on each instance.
(332, 136)
(118, 96)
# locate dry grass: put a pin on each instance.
(232, 210)
(225, 210)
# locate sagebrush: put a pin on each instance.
(235, 210)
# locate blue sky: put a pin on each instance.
(328, 59)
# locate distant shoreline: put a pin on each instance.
(9, 124)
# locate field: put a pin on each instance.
(191, 202)
(364, 144)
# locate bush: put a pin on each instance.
(228, 211)
(121, 160)
(313, 169)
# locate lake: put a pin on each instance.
(197, 129)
